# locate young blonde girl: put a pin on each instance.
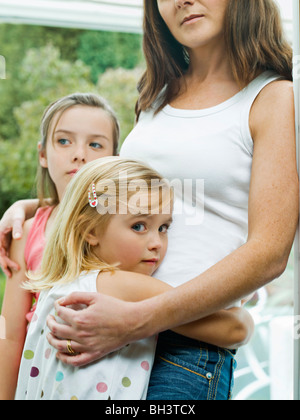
(75, 130)
(106, 251)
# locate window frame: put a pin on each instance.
(296, 25)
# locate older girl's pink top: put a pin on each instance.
(35, 245)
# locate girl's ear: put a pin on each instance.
(42, 156)
(92, 238)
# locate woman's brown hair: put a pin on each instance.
(255, 42)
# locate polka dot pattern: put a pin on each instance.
(101, 387)
(34, 373)
(145, 365)
(123, 375)
(126, 382)
(59, 377)
(28, 354)
(48, 353)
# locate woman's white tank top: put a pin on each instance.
(207, 156)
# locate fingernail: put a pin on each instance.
(61, 301)
(17, 235)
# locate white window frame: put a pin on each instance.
(296, 18)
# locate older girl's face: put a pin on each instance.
(80, 135)
(194, 23)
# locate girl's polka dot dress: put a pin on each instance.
(123, 375)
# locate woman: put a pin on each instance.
(216, 104)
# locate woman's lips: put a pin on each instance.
(191, 19)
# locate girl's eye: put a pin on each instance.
(163, 229)
(139, 227)
(96, 145)
(64, 142)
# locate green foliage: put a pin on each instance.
(45, 77)
(104, 50)
(15, 41)
(119, 88)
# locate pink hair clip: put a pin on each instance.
(93, 201)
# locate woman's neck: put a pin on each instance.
(209, 64)
(208, 82)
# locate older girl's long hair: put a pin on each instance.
(68, 253)
(255, 43)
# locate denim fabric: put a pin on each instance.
(187, 369)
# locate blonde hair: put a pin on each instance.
(45, 186)
(68, 253)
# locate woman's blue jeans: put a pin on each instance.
(187, 369)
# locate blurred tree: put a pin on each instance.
(119, 88)
(104, 50)
(15, 40)
(45, 77)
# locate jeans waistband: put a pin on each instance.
(167, 338)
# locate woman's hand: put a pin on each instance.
(106, 325)
(11, 226)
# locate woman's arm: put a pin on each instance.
(228, 328)
(273, 217)
(11, 226)
(16, 305)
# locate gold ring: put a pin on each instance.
(69, 348)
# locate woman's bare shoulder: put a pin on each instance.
(274, 105)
